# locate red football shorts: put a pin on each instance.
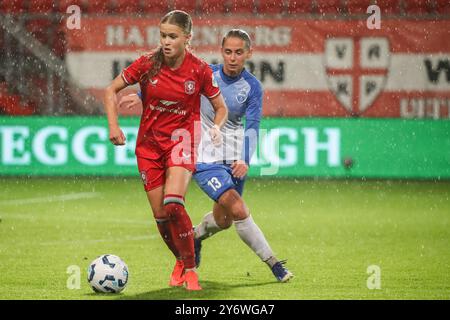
(153, 171)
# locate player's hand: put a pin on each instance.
(239, 169)
(216, 136)
(130, 101)
(116, 136)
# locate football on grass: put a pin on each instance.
(108, 273)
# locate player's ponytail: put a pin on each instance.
(175, 17)
(156, 58)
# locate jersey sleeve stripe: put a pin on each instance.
(214, 95)
(124, 78)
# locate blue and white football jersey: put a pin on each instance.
(243, 97)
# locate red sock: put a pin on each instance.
(182, 233)
(164, 229)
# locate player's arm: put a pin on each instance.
(220, 109)
(210, 89)
(116, 135)
(131, 101)
(220, 117)
(251, 133)
(129, 76)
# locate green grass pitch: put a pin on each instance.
(330, 231)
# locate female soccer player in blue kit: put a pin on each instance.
(220, 172)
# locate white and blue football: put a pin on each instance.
(108, 273)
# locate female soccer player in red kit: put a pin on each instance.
(171, 80)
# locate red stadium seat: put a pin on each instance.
(326, 7)
(126, 6)
(392, 7)
(3, 88)
(241, 6)
(212, 7)
(59, 43)
(39, 83)
(98, 7)
(42, 6)
(418, 7)
(40, 29)
(10, 104)
(159, 7)
(443, 7)
(64, 4)
(299, 7)
(270, 7)
(12, 7)
(190, 6)
(357, 6)
(27, 108)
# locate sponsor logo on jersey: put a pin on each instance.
(189, 87)
(167, 103)
(162, 108)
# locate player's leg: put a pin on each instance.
(220, 218)
(246, 228)
(231, 207)
(214, 180)
(177, 181)
(212, 222)
(153, 177)
(251, 234)
(156, 198)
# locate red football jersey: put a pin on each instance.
(171, 101)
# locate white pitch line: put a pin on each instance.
(90, 241)
(70, 217)
(63, 197)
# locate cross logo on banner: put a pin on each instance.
(357, 70)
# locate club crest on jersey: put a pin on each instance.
(189, 87)
(144, 177)
(357, 70)
(242, 96)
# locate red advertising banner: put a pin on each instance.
(308, 68)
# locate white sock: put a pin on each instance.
(254, 238)
(207, 227)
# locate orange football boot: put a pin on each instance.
(191, 281)
(177, 276)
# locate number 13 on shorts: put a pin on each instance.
(214, 183)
